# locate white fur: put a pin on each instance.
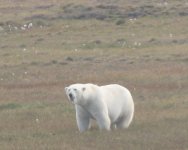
(110, 105)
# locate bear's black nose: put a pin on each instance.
(70, 95)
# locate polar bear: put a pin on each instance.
(110, 105)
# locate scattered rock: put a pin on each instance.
(69, 59)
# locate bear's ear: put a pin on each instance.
(83, 89)
(66, 88)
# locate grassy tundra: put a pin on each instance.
(46, 46)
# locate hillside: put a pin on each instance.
(92, 24)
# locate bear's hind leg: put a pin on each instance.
(124, 122)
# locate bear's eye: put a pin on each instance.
(75, 90)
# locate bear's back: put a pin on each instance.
(117, 98)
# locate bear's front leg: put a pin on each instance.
(103, 120)
(82, 118)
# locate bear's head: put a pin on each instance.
(75, 93)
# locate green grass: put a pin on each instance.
(9, 106)
(148, 55)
